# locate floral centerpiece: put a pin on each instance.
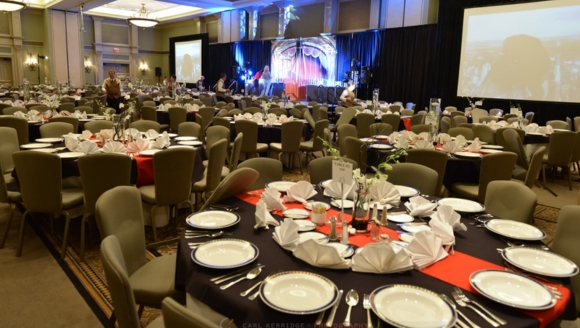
(474, 103)
(118, 119)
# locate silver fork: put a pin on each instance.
(450, 301)
(367, 306)
(467, 300)
(461, 303)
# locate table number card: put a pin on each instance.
(342, 172)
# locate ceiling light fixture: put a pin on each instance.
(12, 5)
(141, 18)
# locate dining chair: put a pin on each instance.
(234, 159)
(321, 168)
(363, 124)
(56, 129)
(222, 121)
(300, 107)
(149, 113)
(576, 123)
(84, 109)
(212, 176)
(516, 146)
(250, 144)
(12, 110)
(453, 114)
(420, 128)
(530, 176)
(339, 109)
(510, 200)
(558, 124)
(560, 150)
(576, 154)
(253, 109)
(69, 107)
(269, 170)
(345, 118)
(145, 125)
(196, 315)
(67, 119)
(415, 176)
(234, 112)
(12, 198)
(316, 143)
(278, 111)
(296, 112)
(189, 129)
(484, 133)
(222, 113)
(41, 108)
(445, 124)
(417, 119)
(344, 131)
(169, 101)
(356, 150)
(466, 125)
(235, 183)
(291, 137)
(392, 119)
(148, 103)
(451, 108)
(8, 146)
(500, 140)
(433, 159)
(566, 243)
(498, 166)
(172, 169)
(381, 129)
(457, 120)
(569, 123)
(220, 104)
(308, 117)
(478, 113)
(323, 113)
(207, 114)
(466, 132)
(199, 120)
(177, 115)
(94, 185)
(487, 119)
(96, 126)
(407, 112)
(395, 107)
(495, 111)
(40, 178)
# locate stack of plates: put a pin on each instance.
(212, 220)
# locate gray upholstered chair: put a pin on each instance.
(314, 145)
(557, 124)
(12, 110)
(484, 133)
(8, 146)
(495, 111)
(345, 118)
(309, 119)
(516, 146)
(189, 129)
(457, 120)
(7, 197)
(55, 129)
(84, 109)
(501, 197)
(67, 119)
(363, 124)
(291, 136)
(561, 148)
(500, 140)
(355, 149)
(344, 131)
(414, 175)
(392, 119)
(433, 159)
(466, 132)
(222, 121)
(321, 168)
(407, 112)
(207, 114)
(97, 126)
(177, 115)
(381, 129)
(269, 170)
(69, 107)
(278, 111)
(478, 113)
(445, 124)
(237, 182)
(213, 135)
(213, 174)
(417, 119)
(145, 125)
(420, 128)
(250, 145)
(451, 108)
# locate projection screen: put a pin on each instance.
(527, 51)
(188, 61)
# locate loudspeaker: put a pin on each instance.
(158, 71)
(365, 75)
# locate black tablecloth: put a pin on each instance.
(163, 117)
(268, 134)
(34, 130)
(195, 279)
(401, 126)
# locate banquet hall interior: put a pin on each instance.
(299, 163)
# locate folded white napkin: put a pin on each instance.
(444, 231)
(79, 115)
(402, 143)
(419, 206)
(114, 147)
(151, 134)
(136, 134)
(238, 117)
(281, 104)
(289, 105)
(271, 197)
(381, 258)
(333, 189)
(160, 143)
(271, 120)
(64, 113)
(424, 136)
(88, 147)
(322, 256)
(424, 144)
(532, 127)
(71, 142)
(425, 249)
(283, 119)
(286, 235)
(271, 115)
(452, 147)
(475, 146)
(86, 135)
(300, 192)
(367, 111)
(106, 134)
(258, 117)
(546, 129)
(460, 140)
(445, 213)
(443, 138)
(21, 115)
(385, 192)
(263, 217)
(410, 136)
(248, 116)
(138, 146)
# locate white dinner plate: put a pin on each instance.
(281, 186)
(191, 143)
(180, 146)
(316, 236)
(512, 289)
(480, 142)
(49, 140)
(534, 133)
(325, 183)
(367, 139)
(97, 117)
(308, 205)
(560, 130)
(515, 229)
(380, 206)
(71, 155)
(77, 135)
(380, 146)
(405, 191)
(173, 135)
(342, 204)
(467, 154)
(406, 237)
(490, 151)
(212, 220)
(462, 205)
(305, 225)
(411, 306)
(35, 145)
(225, 253)
(298, 292)
(380, 136)
(415, 228)
(492, 147)
(401, 218)
(149, 152)
(296, 213)
(341, 248)
(185, 138)
(45, 150)
(540, 261)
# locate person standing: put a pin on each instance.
(220, 91)
(112, 87)
(200, 83)
(172, 85)
(347, 96)
(267, 81)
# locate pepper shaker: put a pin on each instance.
(333, 236)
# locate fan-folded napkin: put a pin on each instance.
(385, 192)
(271, 197)
(133, 133)
(322, 256)
(424, 136)
(419, 206)
(151, 134)
(532, 127)
(475, 146)
(425, 249)
(546, 129)
(86, 135)
(452, 147)
(263, 217)
(88, 147)
(138, 146)
(160, 142)
(443, 138)
(424, 144)
(460, 140)
(394, 137)
(286, 234)
(71, 142)
(271, 120)
(114, 147)
(445, 213)
(79, 115)
(300, 192)
(410, 136)
(333, 189)
(381, 258)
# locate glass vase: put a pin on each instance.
(360, 220)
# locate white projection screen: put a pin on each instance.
(525, 51)
(188, 61)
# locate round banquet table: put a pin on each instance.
(34, 130)
(404, 123)
(163, 117)
(268, 134)
(440, 277)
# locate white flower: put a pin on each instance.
(121, 105)
(130, 85)
(127, 97)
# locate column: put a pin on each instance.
(331, 16)
(134, 53)
(253, 22)
(98, 49)
(18, 57)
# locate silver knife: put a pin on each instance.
(319, 319)
(330, 320)
(235, 272)
(217, 282)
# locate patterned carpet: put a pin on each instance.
(91, 276)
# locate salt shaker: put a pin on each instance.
(384, 221)
(333, 236)
(344, 240)
(375, 230)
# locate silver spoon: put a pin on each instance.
(351, 300)
(251, 275)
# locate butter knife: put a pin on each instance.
(235, 272)
(330, 320)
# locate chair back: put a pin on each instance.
(566, 243)
(558, 124)
(516, 146)
(220, 104)
(189, 129)
(497, 166)
(395, 108)
(457, 120)
(278, 111)
(451, 108)
(466, 132)
(456, 113)
(235, 183)
(339, 109)
(69, 107)
(177, 315)
(501, 197)
(217, 159)
(576, 151)
(94, 185)
(321, 168)
(250, 131)
(323, 113)
(145, 125)
(433, 159)
(499, 137)
(345, 117)
(445, 125)
(40, 178)
(295, 112)
(41, 108)
(269, 170)
(392, 119)
(561, 147)
(291, 136)
(568, 122)
(344, 131)
(67, 119)
(83, 108)
(19, 124)
(495, 111)
(56, 129)
(407, 112)
(380, 129)
(534, 167)
(149, 113)
(236, 150)
(214, 134)
(417, 119)
(148, 103)
(487, 119)
(419, 128)
(177, 115)
(363, 124)
(466, 125)
(222, 113)
(357, 151)
(414, 175)
(173, 169)
(530, 117)
(319, 127)
(308, 118)
(221, 121)
(207, 114)
(484, 133)
(477, 113)
(97, 126)
(8, 146)
(118, 283)
(12, 110)
(208, 101)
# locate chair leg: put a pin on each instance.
(21, 234)
(12, 208)
(140, 311)
(65, 235)
(544, 182)
(569, 177)
(153, 226)
(300, 162)
(83, 233)
(113, 319)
